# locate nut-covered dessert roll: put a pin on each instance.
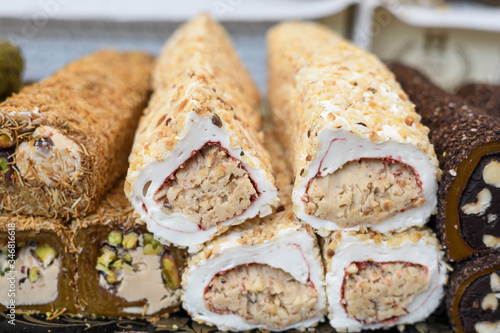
(122, 269)
(467, 142)
(482, 95)
(37, 266)
(266, 273)
(473, 297)
(65, 141)
(377, 281)
(197, 165)
(361, 157)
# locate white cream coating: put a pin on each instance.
(144, 282)
(51, 164)
(351, 249)
(178, 229)
(42, 291)
(481, 205)
(339, 146)
(293, 251)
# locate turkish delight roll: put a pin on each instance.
(264, 274)
(36, 266)
(467, 142)
(473, 295)
(377, 281)
(197, 165)
(65, 141)
(122, 269)
(361, 157)
(482, 95)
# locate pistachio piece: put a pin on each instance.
(152, 249)
(45, 253)
(130, 240)
(127, 258)
(115, 238)
(4, 167)
(127, 267)
(170, 271)
(148, 238)
(109, 274)
(34, 274)
(108, 255)
(117, 264)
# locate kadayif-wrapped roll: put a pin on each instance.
(360, 155)
(122, 270)
(197, 165)
(64, 141)
(37, 266)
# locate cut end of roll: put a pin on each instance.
(363, 191)
(209, 188)
(262, 295)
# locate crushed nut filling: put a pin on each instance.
(210, 188)
(262, 295)
(363, 191)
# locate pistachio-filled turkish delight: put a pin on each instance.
(360, 155)
(197, 165)
(36, 266)
(65, 140)
(377, 281)
(123, 269)
(473, 297)
(467, 142)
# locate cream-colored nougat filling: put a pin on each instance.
(49, 157)
(363, 191)
(210, 188)
(142, 282)
(376, 292)
(262, 295)
(27, 292)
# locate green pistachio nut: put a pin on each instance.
(115, 238)
(130, 240)
(170, 271)
(117, 264)
(108, 255)
(34, 274)
(45, 253)
(152, 249)
(110, 275)
(127, 258)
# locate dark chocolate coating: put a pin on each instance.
(462, 135)
(481, 95)
(469, 284)
(473, 226)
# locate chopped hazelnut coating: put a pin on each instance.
(210, 188)
(363, 190)
(375, 292)
(262, 295)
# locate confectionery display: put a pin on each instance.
(312, 216)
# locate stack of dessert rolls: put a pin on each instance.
(467, 141)
(64, 144)
(324, 211)
(365, 176)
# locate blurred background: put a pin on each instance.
(451, 41)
